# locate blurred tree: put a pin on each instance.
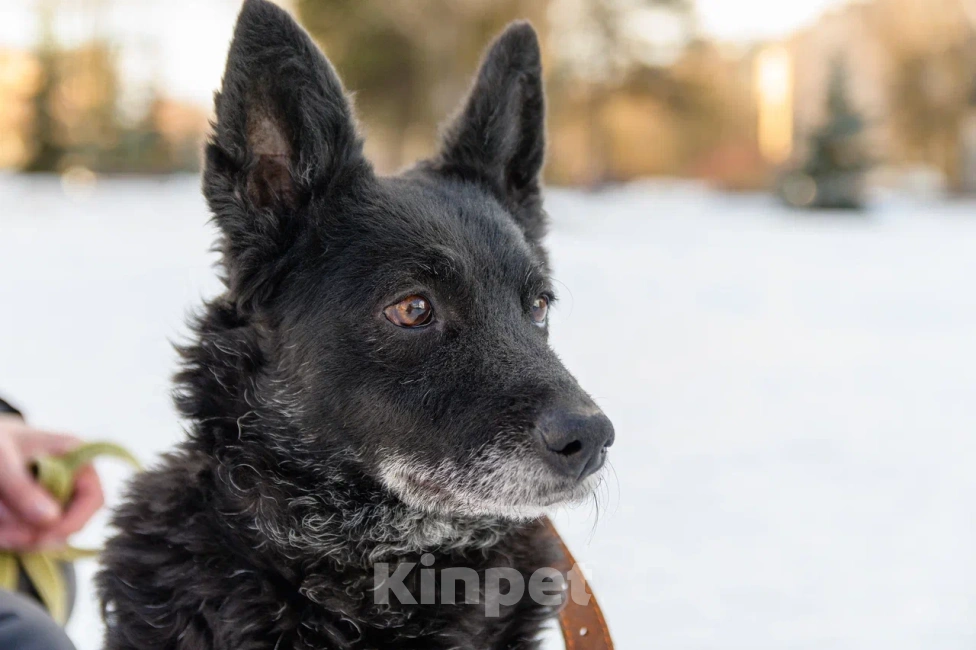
(930, 50)
(929, 103)
(609, 44)
(48, 151)
(712, 102)
(604, 59)
(376, 59)
(833, 175)
(86, 103)
(76, 116)
(405, 74)
(140, 147)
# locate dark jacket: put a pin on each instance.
(5, 407)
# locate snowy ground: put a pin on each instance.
(794, 396)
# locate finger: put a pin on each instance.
(14, 533)
(14, 538)
(85, 502)
(34, 442)
(20, 493)
(5, 514)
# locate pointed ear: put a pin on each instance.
(283, 132)
(498, 137)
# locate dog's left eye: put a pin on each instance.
(540, 310)
(414, 311)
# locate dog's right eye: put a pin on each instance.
(414, 311)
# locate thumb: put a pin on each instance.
(20, 493)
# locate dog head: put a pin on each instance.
(402, 319)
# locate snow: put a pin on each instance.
(793, 395)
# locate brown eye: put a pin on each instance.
(414, 311)
(540, 310)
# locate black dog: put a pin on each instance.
(375, 384)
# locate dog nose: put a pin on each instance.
(575, 441)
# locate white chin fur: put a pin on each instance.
(511, 485)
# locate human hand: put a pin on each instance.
(30, 518)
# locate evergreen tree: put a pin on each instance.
(833, 174)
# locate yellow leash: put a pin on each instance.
(56, 474)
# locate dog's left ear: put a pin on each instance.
(498, 137)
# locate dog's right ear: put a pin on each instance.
(284, 133)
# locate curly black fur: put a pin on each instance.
(322, 437)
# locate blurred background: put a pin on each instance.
(730, 92)
(764, 239)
